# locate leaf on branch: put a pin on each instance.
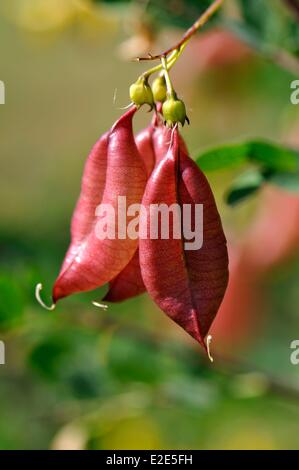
(274, 163)
(287, 181)
(226, 156)
(269, 155)
(245, 185)
(273, 156)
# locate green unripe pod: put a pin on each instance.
(174, 111)
(141, 93)
(159, 89)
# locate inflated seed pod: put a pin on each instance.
(128, 283)
(188, 285)
(153, 143)
(95, 260)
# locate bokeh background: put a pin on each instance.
(128, 378)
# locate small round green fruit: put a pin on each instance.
(174, 111)
(141, 93)
(159, 89)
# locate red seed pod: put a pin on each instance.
(128, 283)
(188, 285)
(97, 261)
(92, 190)
(144, 142)
(162, 140)
(153, 144)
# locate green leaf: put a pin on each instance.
(287, 181)
(270, 156)
(226, 156)
(245, 185)
(273, 156)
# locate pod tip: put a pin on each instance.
(102, 306)
(126, 107)
(38, 289)
(209, 340)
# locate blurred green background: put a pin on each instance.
(129, 378)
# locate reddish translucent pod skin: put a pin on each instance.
(129, 283)
(153, 144)
(188, 285)
(97, 260)
(162, 140)
(92, 190)
(144, 142)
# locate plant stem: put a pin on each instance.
(170, 90)
(170, 62)
(201, 21)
